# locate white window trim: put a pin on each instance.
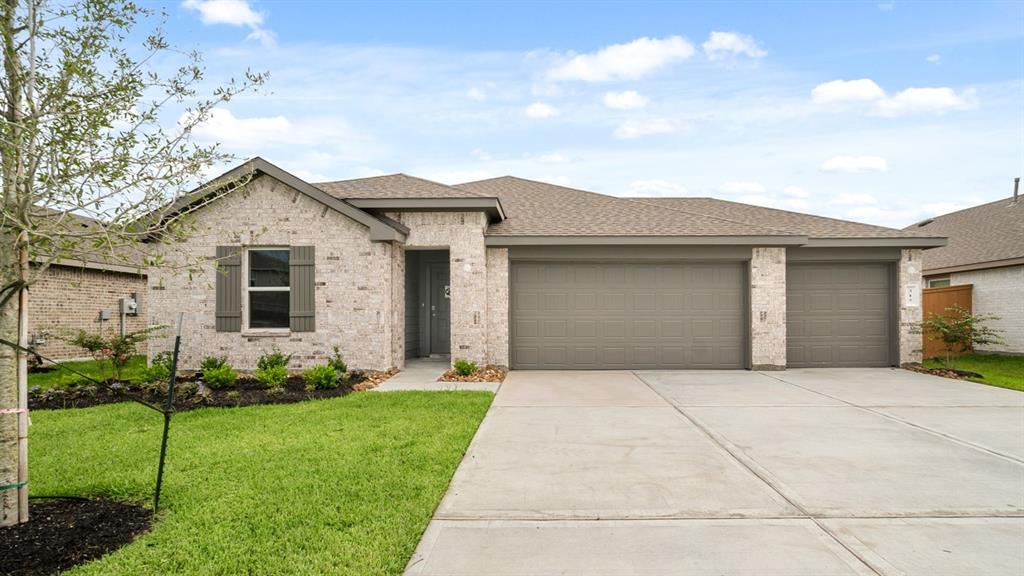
(246, 330)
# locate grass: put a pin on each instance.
(998, 370)
(61, 377)
(339, 486)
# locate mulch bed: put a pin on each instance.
(63, 533)
(486, 374)
(190, 394)
(947, 372)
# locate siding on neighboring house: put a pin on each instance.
(998, 291)
(69, 298)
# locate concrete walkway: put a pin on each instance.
(422, 374)
(806, 472)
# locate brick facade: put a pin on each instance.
(497, 306)
(768, 309)
(69, 298)
(908, 288)
(998, 291)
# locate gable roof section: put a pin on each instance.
(985, 236)
(400, 186)
(555, 213)
(380, 230)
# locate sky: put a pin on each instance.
(880, 112)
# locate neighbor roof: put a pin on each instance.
(985, 236)
(392, 186)
(539, 209)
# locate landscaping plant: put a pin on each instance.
(159, 369)
(115, 350)
(273, 376)
(323, 376)
(337, 362)
(464, 367)
(272, 359)
(222, 376)
(212, 363)
(960, 331)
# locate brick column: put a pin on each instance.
(397, 305)
(497, 306)
(768, 309)
(909, 299)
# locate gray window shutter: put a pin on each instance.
(303, 293)
(229, 289)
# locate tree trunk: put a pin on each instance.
(9, 417)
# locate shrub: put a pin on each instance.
(323, 376)
(464, 367)
(273, 359)
(213, 362)
(960, 331)
(337, 362)
(272, 376)
(116, 349)
(222, 376)
(160, 368)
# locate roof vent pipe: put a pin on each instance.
(1016, 188)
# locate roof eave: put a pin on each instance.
(895, 242)
(975, 266)
(498, 241)
(490, 205)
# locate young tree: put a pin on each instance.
(960, 331)
(88, 164)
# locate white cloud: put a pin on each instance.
(243, 133)
(629, 61)
(925, 100)
(655, 187)
(553, 158)
(934, 58)
(759, 200)
(458, 176)
(722, 45)
(636, 128)
(476, 94)
(796, 192)
(848, 199)
(628, 100)
(232, 13)
(742, 187)
(853, 164)
(482, 155)
(541, 110)
(862, 90)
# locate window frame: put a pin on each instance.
(948, 282)
(247, 289)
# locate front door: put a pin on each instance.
(440, 310)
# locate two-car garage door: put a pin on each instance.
(628, 315)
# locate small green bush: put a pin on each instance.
(222, 376)
(464, 367)
(337, 362)
(272, 376)
(159, 369)
(213, 362)
(273, 359)
(323, 376)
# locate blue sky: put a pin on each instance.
(883, 112)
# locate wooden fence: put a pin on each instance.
(937, 300)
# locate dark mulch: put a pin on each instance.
(189, 394)
(947, 372)
(64, 533)
(486, 374)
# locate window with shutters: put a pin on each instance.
(268, 288)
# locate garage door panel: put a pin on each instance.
(628, 315)
(838, 314)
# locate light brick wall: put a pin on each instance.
(397, 305)
(998, 291)
(768, 309)
(908, 296)
(462, 234)
(497, 306)
(353, 281)
(68, 298)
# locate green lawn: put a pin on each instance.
(133, 372)
(339, 486)
(1002, 371)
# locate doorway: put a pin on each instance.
(428, 304)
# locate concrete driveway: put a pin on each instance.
(805, 472)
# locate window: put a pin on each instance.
(938, 282)
(269, 288)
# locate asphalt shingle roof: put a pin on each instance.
(392, 186)
(987, 233)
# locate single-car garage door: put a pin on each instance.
(838, 314)
(608, 315)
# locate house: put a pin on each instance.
(531, 275)
(985, 249)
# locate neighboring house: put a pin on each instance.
(985, 249)
(531, 275)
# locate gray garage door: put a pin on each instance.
(838, 314)
(607, 315)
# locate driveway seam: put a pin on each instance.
(761, 475)
(895, 418)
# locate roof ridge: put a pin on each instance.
(969, 208)
(392, 175)
(511, 177)
(640, 200)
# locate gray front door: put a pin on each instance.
(628, 315)
(440, 311)
(838, 314)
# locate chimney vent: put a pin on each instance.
(1016, 188)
